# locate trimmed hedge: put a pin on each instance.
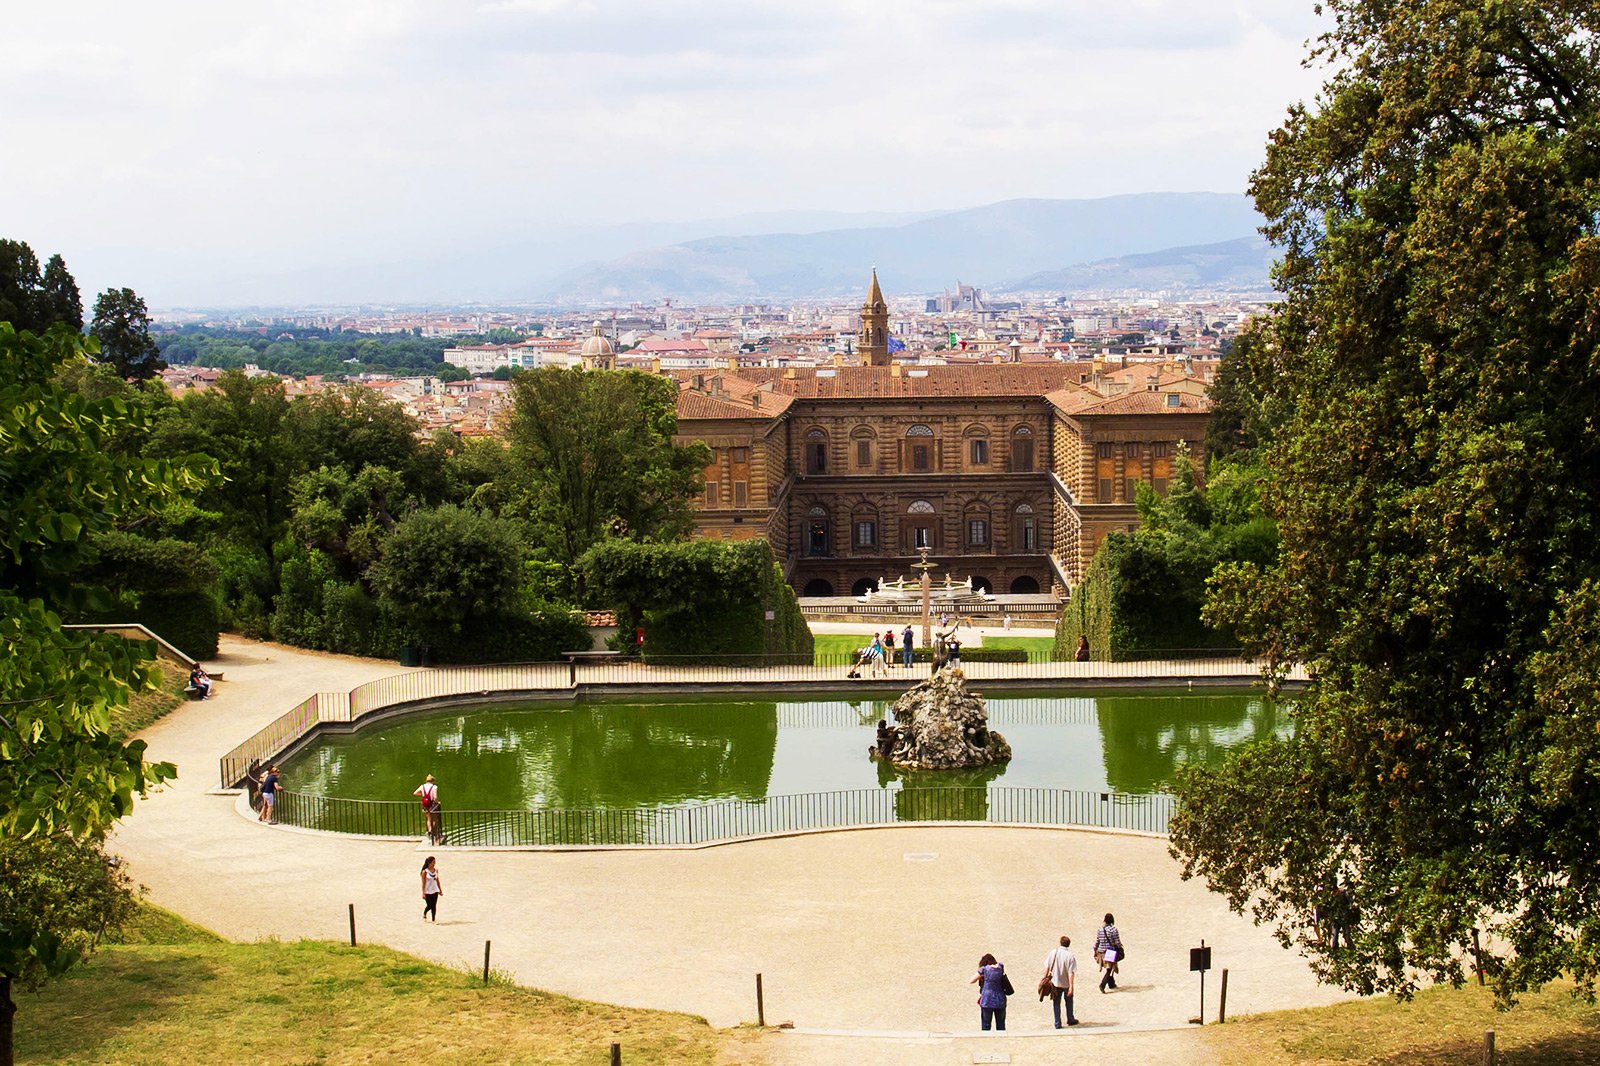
(706, 600)
(539, 635)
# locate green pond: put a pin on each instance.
(615, 755)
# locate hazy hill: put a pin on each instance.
(1239, 266)
(1012, 239)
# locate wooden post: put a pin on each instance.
(616, 1055)
(485, 962)
(761, 1005)
(1477, 956)
(1222, 1003)
(352, 925)
(1488, 1047)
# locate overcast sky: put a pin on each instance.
(156, 140)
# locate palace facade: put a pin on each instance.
(1009, 472)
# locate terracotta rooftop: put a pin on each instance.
(1146, 402)
(975, 379)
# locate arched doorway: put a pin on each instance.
(982, 584)
(1025, 586)
(862, 587)
(818, 586)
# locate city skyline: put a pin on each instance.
(168, 148)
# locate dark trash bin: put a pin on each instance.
(424, 655)
(408, 655)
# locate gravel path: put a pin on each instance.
(865, 930)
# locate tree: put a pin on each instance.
(58, 897)
(35, 301)
(595, 449)
(122, 326)
(1435, 481)
(450, 565)
(59, 301)
(60, 768)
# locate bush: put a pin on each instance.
(450, 566)
(190, 622)
(540, 634)
(706, 599)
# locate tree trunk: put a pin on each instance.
(7, 1010)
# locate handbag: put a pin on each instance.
(1005, 984)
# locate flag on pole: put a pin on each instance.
(896, 345)
(955, 339)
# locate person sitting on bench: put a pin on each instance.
(199, 682)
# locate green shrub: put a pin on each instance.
(708, 600)
(539, 634)
(190, 622)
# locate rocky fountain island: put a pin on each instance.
(939, 725)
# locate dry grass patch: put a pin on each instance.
(146, 708)
(170, 994)
(1440, 1026)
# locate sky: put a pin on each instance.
(158, 143)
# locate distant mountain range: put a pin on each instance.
(1022, 239)
(1240, 266)
(1141, 241)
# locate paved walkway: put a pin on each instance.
(862, 930)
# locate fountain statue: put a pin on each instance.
(939, 725)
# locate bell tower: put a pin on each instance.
(873, 340)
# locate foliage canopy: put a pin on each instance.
(1435, 476)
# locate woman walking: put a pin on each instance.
(431, 891)
(991, 981)
(1108, 952)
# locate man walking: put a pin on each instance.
(1061, 967)
(905, 645)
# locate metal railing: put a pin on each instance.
(421, 686)
(723, 820)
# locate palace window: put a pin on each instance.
(1159, 449)
(741, 455)
(741, 493)
(1102, 450)
(863, 452)
(1027, 530)
(1133, 450)
(1022, 449)
(1103, 495)
(977, 532)
(711, 494)
(920, 457)
(866, 534)
(980, 452)
(816, 452)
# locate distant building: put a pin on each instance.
(1012, 472)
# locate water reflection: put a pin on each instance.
(624, 755)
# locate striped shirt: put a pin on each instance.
(1108, 937)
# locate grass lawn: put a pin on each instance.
(833, 648)
(172, 993)
(1038, 648)
(147, 707)
(1440, 1027)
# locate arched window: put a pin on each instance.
(861, 441)
(863, 586)
(1024, 586)
(817, 532)
(919, 448)
(920, 507)
(1026, 529)
(816, 452)
(818, 586)
(1022, 449)
(977, 441)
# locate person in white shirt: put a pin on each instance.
(1061, 966)
(432, 889)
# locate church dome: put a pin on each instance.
(597, 345)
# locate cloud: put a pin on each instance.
(270, 135)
